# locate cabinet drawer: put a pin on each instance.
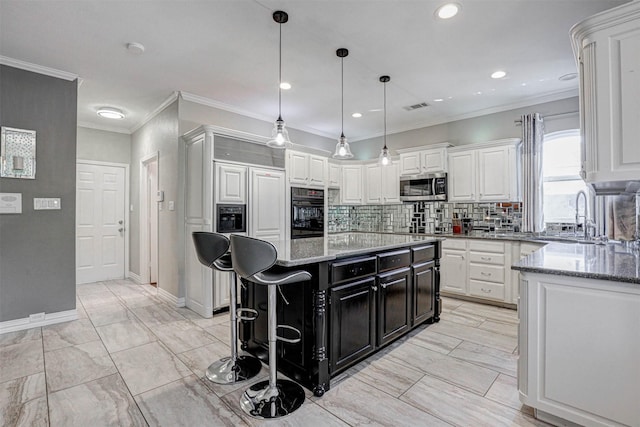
(423, 253)
(486, 290)
(486, 258)
(489, 273)
(455, 243)
(393, 260)
(352, 269)
(486, 246)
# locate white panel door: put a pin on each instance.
(231, 184)
(317, 170)
(372, 180)
(298, 168)
(493, 174)
(267, 204)
(100, 214)
(391, 183)
(410, 163)
(453, 270)
(462, 177)
(434, 161)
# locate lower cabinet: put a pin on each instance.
(394, 293)
(423, 292)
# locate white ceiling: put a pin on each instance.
(226, 51)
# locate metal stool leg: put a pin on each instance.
(273, 398)
(229, 370)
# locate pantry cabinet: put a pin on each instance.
(606, 46)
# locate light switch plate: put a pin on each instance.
(50, 203)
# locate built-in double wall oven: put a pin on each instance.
(307, 213)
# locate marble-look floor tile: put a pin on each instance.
(101, 315)
(462, 318)
(68, 334)
(467, 375)
(497, 360)
(123, 335)
(21, 360)
(23, 401)
(155, 315)
(461, 407)
(509, 329)
(139, 301)
(478, 336)
(202, 321)
(221, 331)
(103, 298)
(198, 406)
(148, 366)
(103, 402)
(435, 341)
(505, 390)
(358, 403)
(388, 375)
(70, 366)
(91, 289)
(414, 356)
(489, 312)
(451, 303)
(182, 336)
(18, 337)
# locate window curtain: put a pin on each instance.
(532, 140)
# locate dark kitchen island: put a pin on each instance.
(367, 290)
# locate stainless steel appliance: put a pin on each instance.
(427, 187)
(307, 213)
(231, 218)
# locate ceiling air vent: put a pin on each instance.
(416, 106)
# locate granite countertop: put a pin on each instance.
(612, 261)
(318, 249)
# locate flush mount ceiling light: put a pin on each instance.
(498, 74)
(110, 113)
(447, 11)
(356, 115)
(385, 158)
(135, 48)
(342, 147)
(279, 134)
(285, 86)
(438, 100)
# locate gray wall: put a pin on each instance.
(103, 146)
(160, 135)
(478, 129)
(37, 248)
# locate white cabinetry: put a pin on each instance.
(267, 204)
(607, 47)
(305, 169)
(334, 175)
(487, 172)
(424, 160)
(382, 184)
(453, 266)
(351, 188)
(230, 184)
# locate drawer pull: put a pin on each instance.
(486, 291)
(485, 274)
(485, 258)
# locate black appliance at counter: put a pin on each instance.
(307, 213)
(427, 187)
(231, 218)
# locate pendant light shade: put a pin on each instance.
(279, 134)
(385, 158)
(343, 151)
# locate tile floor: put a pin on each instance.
(133, 360)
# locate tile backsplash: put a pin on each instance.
(422, 217)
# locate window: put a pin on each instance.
(561, 176)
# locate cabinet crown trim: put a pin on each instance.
(425, 147)
(488, 144)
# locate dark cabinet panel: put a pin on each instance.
(352, 269)
(393, 260)
(352, 322)
(394, 293)
(423, 253)
(423, 292)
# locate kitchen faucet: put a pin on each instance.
(587, 224)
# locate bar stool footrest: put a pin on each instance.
(289, 340)
(250, 317)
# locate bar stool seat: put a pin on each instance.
(212, 250)
(251, 259)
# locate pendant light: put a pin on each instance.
(342, 147)
(279, 134)
(385, 158)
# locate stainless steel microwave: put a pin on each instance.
(427, 187)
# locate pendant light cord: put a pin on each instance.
(280, 75)
(342, 95)
(385, 115)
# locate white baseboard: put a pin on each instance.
(135, 277)
(49, 319)
(170, 298)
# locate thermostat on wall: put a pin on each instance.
(10, 203)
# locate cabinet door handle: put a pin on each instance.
(486, 291)
(485, 274)
(485, 258)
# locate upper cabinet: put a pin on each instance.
(305, 169)
(415, 161)
(382, 184)
(607, 46)
(488, 172)
(334, 175)
(230, 184)
(351, 185)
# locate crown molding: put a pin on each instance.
(164, 104)
(106, 128)
(40, 69)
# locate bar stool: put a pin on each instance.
(251, 260)
(212, 250)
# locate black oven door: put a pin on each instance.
(307, 219)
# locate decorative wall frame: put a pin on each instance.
(18, 153)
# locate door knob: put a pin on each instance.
(120, 230)
(120, 222)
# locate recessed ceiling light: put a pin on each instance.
(567, 77)
(285, 85)
(356, 115)
(448, 10)
(438, 100)
(478, 93)
(135, 48)
(110, 113)
(498, 74)
(523, 84)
